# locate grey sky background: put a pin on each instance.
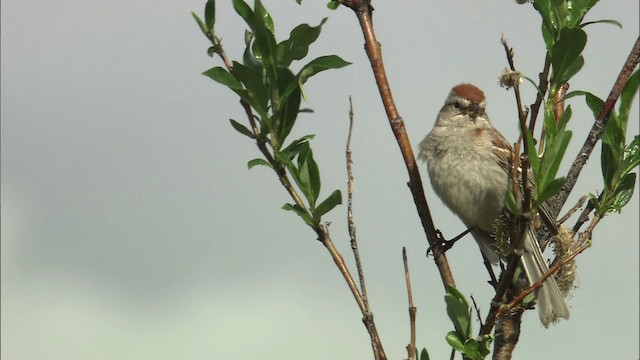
(131, 228)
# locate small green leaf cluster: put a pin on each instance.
(617, 159)
(461, 338)
(265, 82)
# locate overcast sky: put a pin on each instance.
(132, 229)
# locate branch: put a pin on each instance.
(321, 230)
(542, 89)
(378, 350)
(575, 208)
(363, 11)
(351, 225)
(411, 348)
(376, 344)
(596, 130)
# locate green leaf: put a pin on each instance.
(252, 81)
(453, 339)
(471, 348)
(511, 203)
(626, 99)
(566, 51)
(609, 161)
(256, 162)
(262, 27)
(624, 192)
(289, 105)
(424, 355)
(294, 148)
(262, 13)
(320, 64)
(201, 24)
(559, 148)
(458, 311)
(301, 212)
(242, 129)
(223, 77)
(327, 205)
(244, 11)
(594, 103)
(309, 175)
(572, 70)
(333, 4)
(315, 66)
(577, 9)
(604, 21)
(551, 188)
(297, 46)
(630, 157)
(210, 14)
(485, 344)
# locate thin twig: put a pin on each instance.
(587, 233)
(494, 281)
(475, 306)
(351, 224)
(411, 348)
(584, 216)
(542, 87)
(575, 208)
(363, 10)
(596, 130)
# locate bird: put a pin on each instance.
(470, 165)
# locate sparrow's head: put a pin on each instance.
(465, 103)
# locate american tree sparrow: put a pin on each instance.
(469, 164)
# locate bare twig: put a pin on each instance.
(351, 225)
(587, 233)
(542, 87)
(494, 281)
(584, 216)
(475, 306)
(411, 348)
(575, 208)
(596, 130)
(363, 10)
(448, 244)
(367, 315)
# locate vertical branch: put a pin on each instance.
(363, 11)
(351, 225)
(411, 348)
(367, 318)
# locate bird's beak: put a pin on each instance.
(474, 110)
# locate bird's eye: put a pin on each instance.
(456, 105)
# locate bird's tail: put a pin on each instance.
(551, 304)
